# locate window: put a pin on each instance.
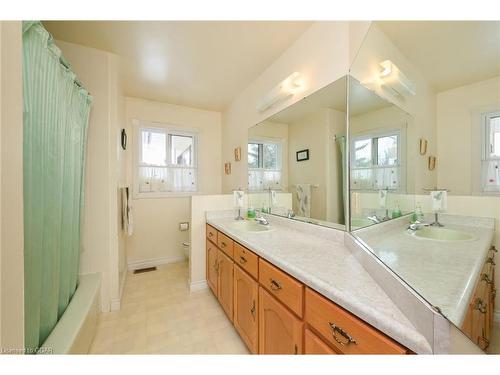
(376, 161)
(166, 161)
(490, 167)
(264, 164)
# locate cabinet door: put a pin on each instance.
(314, 345)
(212, 264)
(280, 332)
(225, 284)
(246, 294)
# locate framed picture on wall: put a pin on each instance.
(303, 155)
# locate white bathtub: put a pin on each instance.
(75, 331)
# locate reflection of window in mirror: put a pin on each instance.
(491, 152)
(264, 164)
(376, 161)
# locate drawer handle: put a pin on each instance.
(252, 310)
(491, 261)
(275, 285)
(242, 260)
(485, 277)
(336, 329)
(223, 244)
(480, 306)
(210, 234)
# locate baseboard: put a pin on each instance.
(496, 316)
(155, 262)
(196, 286)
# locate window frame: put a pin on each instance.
(400, 132)
(485, 148)
(169, 130)
(263, 140)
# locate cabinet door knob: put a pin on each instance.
(242, 260)
(223, 244)
(210, 234)
(275, 285)
(336, 329)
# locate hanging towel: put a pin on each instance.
(382, 198)
(439, 200)
(238, 198)
(303, 195)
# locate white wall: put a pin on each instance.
(321, 54)
(310, 132)
(98, 71)
(458, 134)
(11, 192)
(156, 236)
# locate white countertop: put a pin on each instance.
(442, 272)
(317, 257)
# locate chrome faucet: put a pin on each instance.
(374, 218)
(417, 225)
(261, 219)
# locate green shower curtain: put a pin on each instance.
(56, 113)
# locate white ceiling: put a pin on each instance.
(200, 64)
(449, 53)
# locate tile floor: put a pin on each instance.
(160, 316)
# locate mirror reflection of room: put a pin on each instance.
(300, 153)
(439, 172)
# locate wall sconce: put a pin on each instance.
(431, 163)
(237, 154)
(288, 87)
(394, 79)
(227, 168)
(423, 146)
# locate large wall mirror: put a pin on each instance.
(425, 156)
(300, 154)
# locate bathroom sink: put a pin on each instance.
(250, 226)
(443, 234)
(359, 222)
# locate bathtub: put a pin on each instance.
(75, 331)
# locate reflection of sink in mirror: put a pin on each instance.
(251, 226)
(360, 222)
(442, 234)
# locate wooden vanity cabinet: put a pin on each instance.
(225, 283)
(478, 321)
(313, 344)
(276, 314)
(280, 331)
(212, 266)
(246, 308)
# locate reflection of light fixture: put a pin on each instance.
(285, 89)
(395, 80)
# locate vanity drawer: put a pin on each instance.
(212, 234)
(339, 327)
(225, 244)
(246, 260)
(284, 287)
(314, 345)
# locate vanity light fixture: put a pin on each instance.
(395, 80)
(288, 87)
